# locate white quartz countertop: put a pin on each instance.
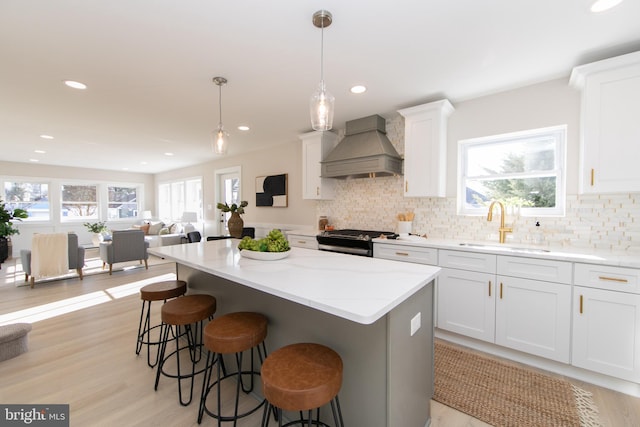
(360, 289)
(602, 257)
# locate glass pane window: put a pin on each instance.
(177, 197)
(123, 202)
(524, 171)
(33, 197)
(79, 202)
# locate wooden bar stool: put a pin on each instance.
(233, 333)
(159, 291)
(302, 377)
(187, 312)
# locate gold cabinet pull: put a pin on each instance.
(406, 186)
(500, 290)
(593, 177)
(402, 253)
(489, 287)
(302, 242)
(581, 304)
(613, 279)
(317, 191)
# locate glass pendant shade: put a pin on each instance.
(220, 141)
(321, 108)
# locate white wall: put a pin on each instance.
(285, 158)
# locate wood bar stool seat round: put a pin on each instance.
(233, 333)
(159, 291)
(182, 318)
(302, 377)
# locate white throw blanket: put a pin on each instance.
(49, 255)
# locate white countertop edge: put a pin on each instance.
(587, 256)
(362, 316)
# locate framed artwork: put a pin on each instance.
(272, 191)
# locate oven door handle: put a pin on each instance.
(344, 249)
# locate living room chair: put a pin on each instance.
(125, 245)
(75, 258)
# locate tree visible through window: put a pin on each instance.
(524, 170)
(123, 202)
(79, 201)
(33, 197)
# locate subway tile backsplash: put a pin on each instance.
(602, 221)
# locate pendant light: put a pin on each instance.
(220, 138)
(322, 102)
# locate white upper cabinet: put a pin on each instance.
(425, 149)
(315, 146)
(610, 128)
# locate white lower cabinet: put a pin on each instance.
(302, 241)
(533, 316)
(466, 303)
(606, 321)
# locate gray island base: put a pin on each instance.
(388, 372)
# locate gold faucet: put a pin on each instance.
(502, 230)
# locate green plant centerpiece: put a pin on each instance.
(7, 228)
(96, 227)
(274, 242)
(234, 207)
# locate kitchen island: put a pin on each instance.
(377, 314)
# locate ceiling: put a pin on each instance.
(149, 64)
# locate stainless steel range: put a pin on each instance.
(356, 242)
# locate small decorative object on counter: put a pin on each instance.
(322, 223)
(235, 222)
(404, 223)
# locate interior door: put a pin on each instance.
(229, 193)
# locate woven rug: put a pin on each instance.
(503, 394)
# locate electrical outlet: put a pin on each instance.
(415, 323)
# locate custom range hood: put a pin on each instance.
(364, 152)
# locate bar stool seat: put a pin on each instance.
(302, 377)
(187, 312)
(159, 291)
(233, 333)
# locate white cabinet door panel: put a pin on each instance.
(606, 332)
(534, 317)
(466, 303)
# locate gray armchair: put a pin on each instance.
(125, 245)
(76, 258)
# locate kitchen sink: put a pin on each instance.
(505, 248)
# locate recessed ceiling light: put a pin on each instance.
(34, 160)
(75, 85)
(243, 127)
(46, 137)
(358, 89)
(602, 5)
(143, 163)
(39, 151)
(125, 169)
(168, 154)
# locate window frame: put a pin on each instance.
(180, 203)
(557, 133)
(27, 180)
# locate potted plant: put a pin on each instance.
(235, 222)
(7, 229)
(97, 228)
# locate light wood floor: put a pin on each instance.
(85, 357)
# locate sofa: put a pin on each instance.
(157, 233)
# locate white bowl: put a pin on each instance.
(264, 256)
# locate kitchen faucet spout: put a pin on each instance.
(502, 230)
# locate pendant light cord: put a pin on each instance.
(220, 105)
(322, 53)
